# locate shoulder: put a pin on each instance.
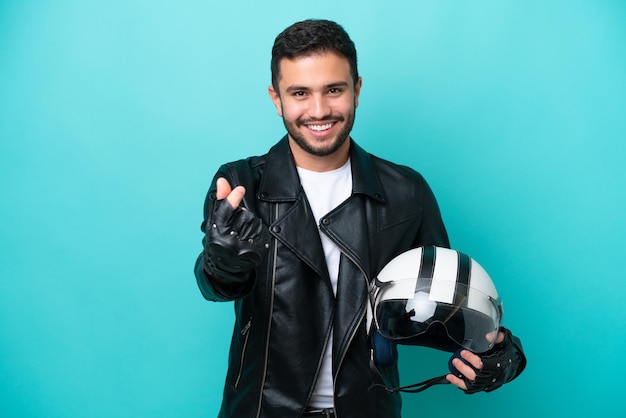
(243, 166)
(254, 165)
(401, 184)
(246, 171)
(397, 176)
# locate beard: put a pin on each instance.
(327, 147)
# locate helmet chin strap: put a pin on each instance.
(501, 364)
(414, 388)
(384, 353)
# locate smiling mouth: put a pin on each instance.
(320, 128)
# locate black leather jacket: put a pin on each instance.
(286, 310)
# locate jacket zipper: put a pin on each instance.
(245, 332)
(269, 319)
(343, 355)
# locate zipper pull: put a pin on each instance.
(246, 328)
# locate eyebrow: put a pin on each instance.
(326, 87)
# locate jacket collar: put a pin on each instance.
(281, 183)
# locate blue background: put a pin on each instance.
(115, 114)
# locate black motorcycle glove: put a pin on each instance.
(503, 363)
(236, 242)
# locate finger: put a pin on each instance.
(236, 196)
(466, 371)
(223, 188)
(495, 337)
(473, 359)
(492, 336)
(459, 383)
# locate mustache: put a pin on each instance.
(333, 118)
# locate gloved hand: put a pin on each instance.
(236, 239)
(503, 363)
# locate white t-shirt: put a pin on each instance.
(325, 191)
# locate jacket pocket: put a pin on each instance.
(245, 334)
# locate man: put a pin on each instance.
(295, 236)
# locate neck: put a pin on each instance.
(312, 162)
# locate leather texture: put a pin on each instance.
(285, 308)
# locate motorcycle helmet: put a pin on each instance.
(431, 293)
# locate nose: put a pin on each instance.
(319, 107)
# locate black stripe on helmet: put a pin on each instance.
(462, 280)
(427, 265)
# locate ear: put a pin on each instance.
(276, 99)
(357, 91)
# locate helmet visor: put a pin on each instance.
(405, 310)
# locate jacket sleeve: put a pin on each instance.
(223, 287)
(432, 230)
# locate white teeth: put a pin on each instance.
(319, 127)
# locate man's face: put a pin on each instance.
(317, 99)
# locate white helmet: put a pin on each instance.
(433, 285)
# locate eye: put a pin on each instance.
(335, 91)
(299, 93)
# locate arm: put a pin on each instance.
(433, 230)
(235, 242)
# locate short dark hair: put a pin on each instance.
(312, 36)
